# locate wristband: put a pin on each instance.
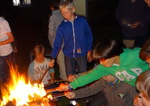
(69, 88)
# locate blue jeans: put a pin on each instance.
(76, 63)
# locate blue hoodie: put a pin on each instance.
(76, 36)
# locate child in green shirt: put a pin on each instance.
(124, 64)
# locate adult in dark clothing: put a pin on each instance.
(133, 16)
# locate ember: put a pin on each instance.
(19, 93)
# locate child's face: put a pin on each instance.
(145, 101)
(107, 62)
(147, 2)
(68, 13)
(39, 58)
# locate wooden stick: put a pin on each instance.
(58, 95)
(40, 80)
(51, 90)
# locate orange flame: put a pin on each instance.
(19, 91)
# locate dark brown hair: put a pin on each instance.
(107, 48)
(39, 49)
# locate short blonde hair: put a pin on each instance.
(66, 3)
(39, 49)
(143, 83)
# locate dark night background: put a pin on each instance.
(29, 24)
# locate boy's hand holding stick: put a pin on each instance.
(40, 80)
(51, 63)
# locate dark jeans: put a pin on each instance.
(77, 63)
(140, 40)
(5, 63)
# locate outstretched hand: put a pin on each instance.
(63, 87)
(135, 25)
(71, 78)
(69, 94)
(89, 56)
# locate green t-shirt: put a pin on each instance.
(129, 68)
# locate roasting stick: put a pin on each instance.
(40, 80)
(51, 90)
(58, 95)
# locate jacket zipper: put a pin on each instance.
(73, 39)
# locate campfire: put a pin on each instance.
(19, 93)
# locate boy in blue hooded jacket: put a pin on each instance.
(76, 34)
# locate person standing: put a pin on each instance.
(134, 17)
(54, 21)
(6, 50)
(77, 36)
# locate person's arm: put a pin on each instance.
(51, 30)
(14, 46)
(89, 56)
(71, 78)
(31, 72)
(89, 40)
(57, 43)
(89, 90)
(95, 74)
(118, 12)
(9, 40)
(52, 74)
(146, 15)
(144, 18)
